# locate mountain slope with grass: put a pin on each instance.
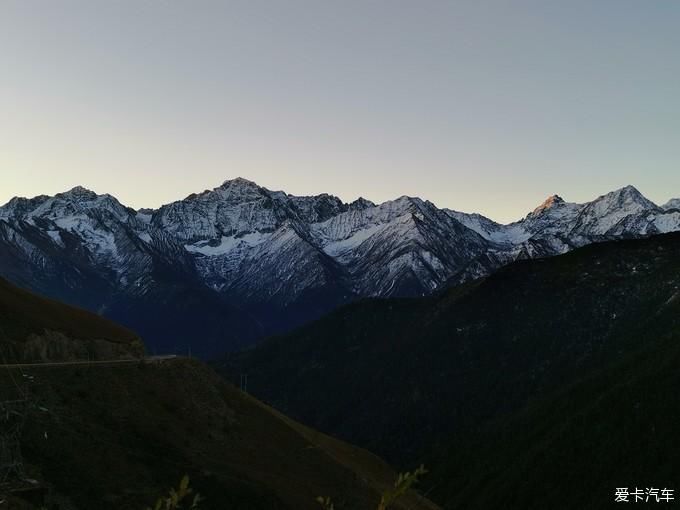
(33, 328)
(115, 436)
(118, 436)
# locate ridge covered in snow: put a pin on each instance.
(290, 258)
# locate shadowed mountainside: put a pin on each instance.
(119, 436)
(33, 328)
(410, 378)
(572, 449)
(115, 436)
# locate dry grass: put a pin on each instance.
(119, 436)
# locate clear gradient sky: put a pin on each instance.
(476, 105)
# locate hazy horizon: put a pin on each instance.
(485, 107)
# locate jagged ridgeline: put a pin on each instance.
(36, 329)
(221, 269)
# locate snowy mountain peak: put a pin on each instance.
(238, 182)
(237, 190)
(83, 199)
(621, 211)
(551, 201)
(628, 195)
(629, 189)
(621, 202)
(673, 203)
(405, 202)
(360, 204)
(78, 200)
(550, 216)
(78, 193)
(17, 207)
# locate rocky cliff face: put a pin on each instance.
(55, 346)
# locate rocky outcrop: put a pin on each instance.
(56, 346)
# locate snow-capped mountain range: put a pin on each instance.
(240, 261)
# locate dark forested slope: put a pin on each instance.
(406, 378)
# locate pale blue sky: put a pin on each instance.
(476, 105)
